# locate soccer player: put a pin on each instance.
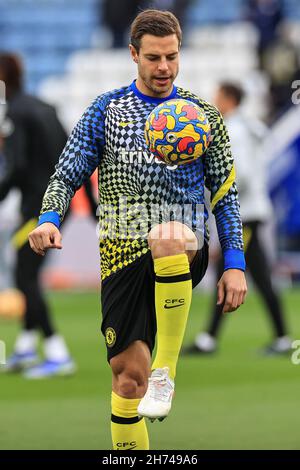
(142, 276)
(33, 140)
(246, 137)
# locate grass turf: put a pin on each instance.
(236, 399)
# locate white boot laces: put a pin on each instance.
(160, 387)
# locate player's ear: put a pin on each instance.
(133, 53)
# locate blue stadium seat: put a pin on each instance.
(46, 32)
(207, 11)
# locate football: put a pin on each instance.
(177, 131)
(12, 303)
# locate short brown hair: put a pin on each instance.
(156, 22)
(11, 70)
(233, 91)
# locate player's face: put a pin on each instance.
(158, 63)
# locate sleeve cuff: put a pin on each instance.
(52, 217)
(234, 259)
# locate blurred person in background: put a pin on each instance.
(246, 136)
(266, 16)
(8, 221)
(11, 300)
(177, 7)
(117, 16)
(278, 57)
(30, 150)
(283, 69)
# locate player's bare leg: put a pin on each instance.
(130, 370)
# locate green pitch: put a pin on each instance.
(236, 399)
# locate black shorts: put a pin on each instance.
(128, 302)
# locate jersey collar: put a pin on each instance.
(152, 99)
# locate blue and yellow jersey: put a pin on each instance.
(134, 188)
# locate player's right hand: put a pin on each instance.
(44, 237)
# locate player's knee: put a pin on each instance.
(128, 387)
(167, 239)
(131, 384)
(167, 248)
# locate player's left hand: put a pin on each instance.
(232, 290)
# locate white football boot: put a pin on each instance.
(156, 403)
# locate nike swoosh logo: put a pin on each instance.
(125, 124)
(173, 306)
(129, 448)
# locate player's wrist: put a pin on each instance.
(49, 217)
(234, 259)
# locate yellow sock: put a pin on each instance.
(128, 431)
(173, 295)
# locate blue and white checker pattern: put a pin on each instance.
(115, 123)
